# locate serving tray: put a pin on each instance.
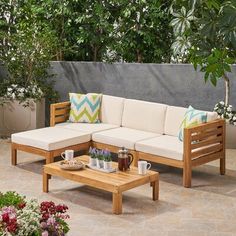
(101, 169)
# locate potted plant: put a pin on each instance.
(99, 158)
(25, 54)
(92, 156)
(107, 160)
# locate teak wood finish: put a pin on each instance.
(202, 143)
(116, 183)
(48, 155)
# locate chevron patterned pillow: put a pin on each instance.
(85, 108)
(192, 117)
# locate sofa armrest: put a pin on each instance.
(59, 112)
(204, 140)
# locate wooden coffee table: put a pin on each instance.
(116, 182)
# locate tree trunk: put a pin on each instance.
(139, 56)
(95, 53)
(227, 89)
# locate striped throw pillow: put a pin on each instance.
(85, 108)
(192, 118)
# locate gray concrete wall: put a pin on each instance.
(172, 84)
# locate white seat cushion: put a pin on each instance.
(86, 127)
(122, 137)
(146, 116)
(51, 138)
(164, 145)
(112, 110)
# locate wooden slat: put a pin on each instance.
(77, 147)
(205, 135)
(61, 104)
(205, 159)
(57, 109)
(64, 111)
(208, 125)
(60, 119)
(159, 159)
(207, 150)
(202, 143)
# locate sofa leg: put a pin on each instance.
(49, 158)
(222, 166)
(13, 155)
(187, 177)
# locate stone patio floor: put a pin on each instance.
(208, 208)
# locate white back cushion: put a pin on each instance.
(112, 109)
(146, 116)
(211, 116)
(174, 118)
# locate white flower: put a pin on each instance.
(222, 103)
(229, 108)
(9, 89)
(13, 96)
(234, 118)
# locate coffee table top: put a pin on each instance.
(113, 182)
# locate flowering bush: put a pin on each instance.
(28, 218)
(225, 112)
(15, 91)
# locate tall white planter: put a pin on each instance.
(14, 117)
(230, 136)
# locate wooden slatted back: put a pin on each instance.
(206, 139)
(59, 112)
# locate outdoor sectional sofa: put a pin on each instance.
(149, 130)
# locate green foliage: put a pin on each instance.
(109, 30)
(27, 46)
(11, 199)
(207, 30)
(143, 32)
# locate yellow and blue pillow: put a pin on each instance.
(192, 118)
(85, 108)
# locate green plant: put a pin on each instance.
(107, 155)
(11, 198)
(206, 36)
(26, 50)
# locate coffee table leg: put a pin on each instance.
(45, 182)
(117, 203)
(155, 190)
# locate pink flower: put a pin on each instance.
(45, 233)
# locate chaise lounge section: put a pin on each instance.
(149, 130)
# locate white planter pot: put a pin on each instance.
(107, 165)
(14, 117)
(92, 161)
(99, 163)
(230, 136)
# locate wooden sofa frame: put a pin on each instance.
(202, 144)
